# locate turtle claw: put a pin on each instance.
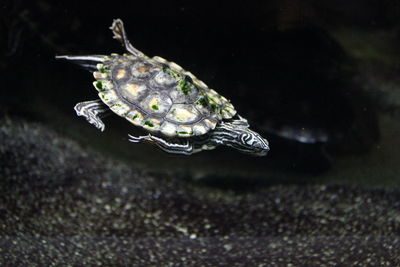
(92, 111)
(117, 28)
(99, 125)
(119, 34)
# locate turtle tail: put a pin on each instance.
(87, 62)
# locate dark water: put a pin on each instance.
(318, 79)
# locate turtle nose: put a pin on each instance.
(264, 147)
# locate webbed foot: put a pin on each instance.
(118, 30)
(93, 111)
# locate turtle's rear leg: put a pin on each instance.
(88, 62)
(119, 33)
(93, 111)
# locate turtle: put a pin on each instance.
(179, 113)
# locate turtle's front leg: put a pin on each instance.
(119, 33)
(186, 148)
(93, 111)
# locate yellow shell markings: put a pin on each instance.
(102, 84)
(132, 91)
(151, 124)
(120, 108)
(156, 103)
(184, 92)
(175, 67)
(141, 69)
(195, 80)
(221, 107)
(122, 58)
(202, 105)
(184, 131)
(120, 74)
(178, 68)
(210, 123)
(182, 120)
(215, 102)
(198, 82)
(199, 129)
(225, 114)
(214, 96)
(168, 129)
(162, 78)
(98, 75)
(183, 113)
(228, 111)
(135, 117)
(108, 97)
(160, 60)
(178, 96)
(106, 92)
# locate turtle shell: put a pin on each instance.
(159, 96)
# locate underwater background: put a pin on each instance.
(318, 79)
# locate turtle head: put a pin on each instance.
(237, 134)
(252, 143)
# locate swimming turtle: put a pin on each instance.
(179, 112)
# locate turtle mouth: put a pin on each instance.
(258, 151)
(261, 152)
(260, 148)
